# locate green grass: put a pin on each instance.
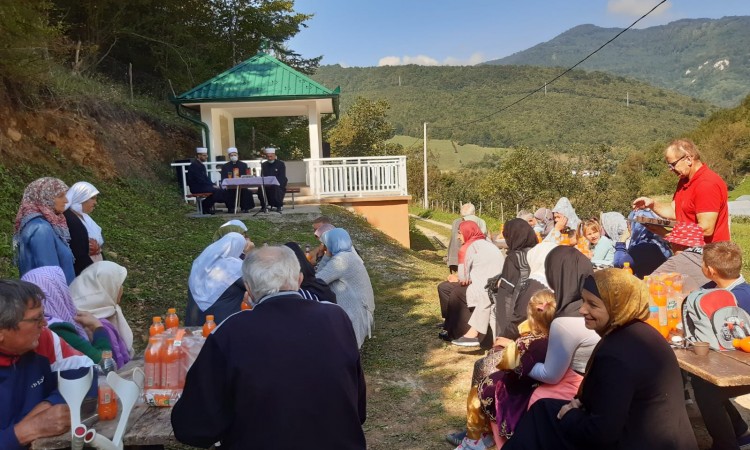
(741, 189)
(493, 223)
(449, 157)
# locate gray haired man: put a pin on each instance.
(286, 354)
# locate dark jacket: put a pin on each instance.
(197, 178)
(25, 382)
(227, 304)
(79, 242)
(285, 374)
(277, 169)
(229, 167)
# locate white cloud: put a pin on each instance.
(636, 8)
(423, 60)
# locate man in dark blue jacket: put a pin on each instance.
(283, 376)
(30, 406)
(273, 167)
(199, 182)
(235, 169)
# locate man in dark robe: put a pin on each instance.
(254, 387)
(199, 182)
(273, 167)
(235, 169)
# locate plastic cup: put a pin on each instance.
(701, 348)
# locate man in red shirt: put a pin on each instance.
(700, 198)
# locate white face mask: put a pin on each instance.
(233, 158)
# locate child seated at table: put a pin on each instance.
(722, 263)
(603, 247)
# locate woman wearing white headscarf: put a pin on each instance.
(215, 285)
(565, 218)
(98, 290)
(86, 238)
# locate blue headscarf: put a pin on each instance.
(639, 234)
(337, 240)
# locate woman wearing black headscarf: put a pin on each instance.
(509, 303)
(570, 342)
(311, 288)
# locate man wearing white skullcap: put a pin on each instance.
(273, 167)
(235, 169)
(199, 183)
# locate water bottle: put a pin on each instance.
(107, 402)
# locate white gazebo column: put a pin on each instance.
(316, 144)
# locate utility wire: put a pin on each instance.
(554, 79)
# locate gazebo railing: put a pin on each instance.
(214, 172)
(362, 176)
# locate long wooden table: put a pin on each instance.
(731, 368)
(147, 425)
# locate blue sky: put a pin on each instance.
(437, 32)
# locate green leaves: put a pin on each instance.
(363, 130)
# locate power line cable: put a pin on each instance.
(556, 78)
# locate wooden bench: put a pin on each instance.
(730, 368)
(199, 200)
(292, 190)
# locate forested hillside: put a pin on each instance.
(702, 58)
(579, 109)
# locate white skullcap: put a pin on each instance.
(269, 150)
(232, 150)
(235, 222)
(201, 150)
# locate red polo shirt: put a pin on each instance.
(705, 192)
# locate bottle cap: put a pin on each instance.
(209, 317)
(157, 319)
(171, 310)
(106, 354)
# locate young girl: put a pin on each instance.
(604, 248)
(505, 394)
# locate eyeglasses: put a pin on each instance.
(672, 164)
(39, 320)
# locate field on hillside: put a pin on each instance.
(451, 156)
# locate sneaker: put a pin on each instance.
(455, 438)
(464, 341)
(473, 444)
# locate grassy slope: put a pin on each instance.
(448, 157)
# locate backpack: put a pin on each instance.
(713, 316)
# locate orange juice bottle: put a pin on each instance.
(742, 344)
(673, 307)
(565, 239)
(653, 317)
(152, 363)
(171, 361)
(156, 327)
(538, 237)
(626, 266)
(660, 299)
(172, 321)
(107, 401)
(209, 325)
(245, 306)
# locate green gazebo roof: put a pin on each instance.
(260, 78)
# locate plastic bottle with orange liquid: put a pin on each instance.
(172, 321)
(152, 363)
(660, 299)
(107, 401)
(209, 325)
(742, 344)
(626, 267)
(171, 356)
(156, 327)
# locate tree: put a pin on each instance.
(363, 130)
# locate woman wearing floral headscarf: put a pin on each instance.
(81, 330)
(631, 397)
(42, 235)
(86, 238)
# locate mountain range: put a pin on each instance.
(703, 58)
